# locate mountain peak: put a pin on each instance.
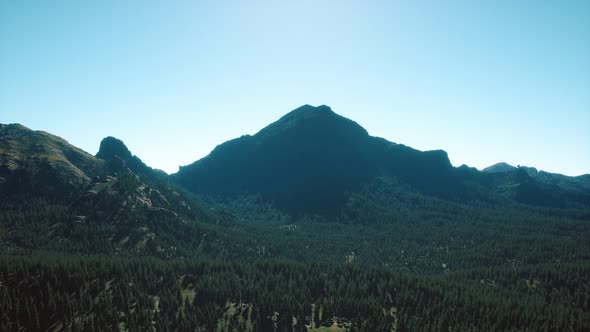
(501, 167)
(307, 108)
(13, 126)
(308, 159)
(118, 156)
(308, 111)
(111, 147)
(36, 161)
(312, 119)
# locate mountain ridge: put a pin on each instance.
(309, 157)
(125, 248)
(579, 183)
(305, 162)
(36, 160)
(116, 154)
(306, 159)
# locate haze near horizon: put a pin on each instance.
(486, 82)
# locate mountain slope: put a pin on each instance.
(126, 249)
(578, 184)
(40, 162)
(55, 196)
(307, 159)
(116, 154)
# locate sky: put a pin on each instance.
(486, 81)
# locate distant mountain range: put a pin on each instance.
(305, 162)
(310, 163)
(310, 157)
(579, 183)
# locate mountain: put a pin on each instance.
(499, 168)
(68, 194)
(310, 161)
(579, 184)
(116, 154)
(307, 159)
(311, 224)
(36, 161)
(311, 158)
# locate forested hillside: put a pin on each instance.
(139, 294)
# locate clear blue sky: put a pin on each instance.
(487, 81)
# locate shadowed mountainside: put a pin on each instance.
(307, 160)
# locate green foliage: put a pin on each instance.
(436, 264)
(40, 292)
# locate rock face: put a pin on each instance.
(111, 147)
(307, 159)
(118, 156)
